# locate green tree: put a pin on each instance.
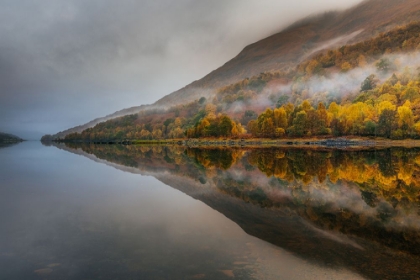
(202, 100)
(384, 65)
(386, 123)
(299, 123)
(283, 99)
(253, 127)
(248, 116)
(369, 83)
(225, 126)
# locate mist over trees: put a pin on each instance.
(371, 88)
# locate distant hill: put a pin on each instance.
(6, 138)
(285, 50)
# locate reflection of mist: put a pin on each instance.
(337, 237)
(339, 198)
(360, 191)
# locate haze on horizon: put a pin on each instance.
(64, 63)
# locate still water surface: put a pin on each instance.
(129, 212)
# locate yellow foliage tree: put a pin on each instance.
(345, 66)
(385, 105)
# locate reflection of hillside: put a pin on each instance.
(370, 194)
(146, 159)
(289, 231)
(5, 145)
(336, 208)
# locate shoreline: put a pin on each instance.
(333, 143)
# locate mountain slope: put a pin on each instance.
(287, 48)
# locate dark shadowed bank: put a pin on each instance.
(9, 139)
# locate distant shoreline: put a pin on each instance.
(339, 142)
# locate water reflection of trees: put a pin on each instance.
(389, 173)
(372, 194)
(220, 158)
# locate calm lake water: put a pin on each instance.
(130, 212)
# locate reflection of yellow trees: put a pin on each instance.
(389, 174)
(220, 158)
(392, 174)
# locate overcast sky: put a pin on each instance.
(66, 62)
